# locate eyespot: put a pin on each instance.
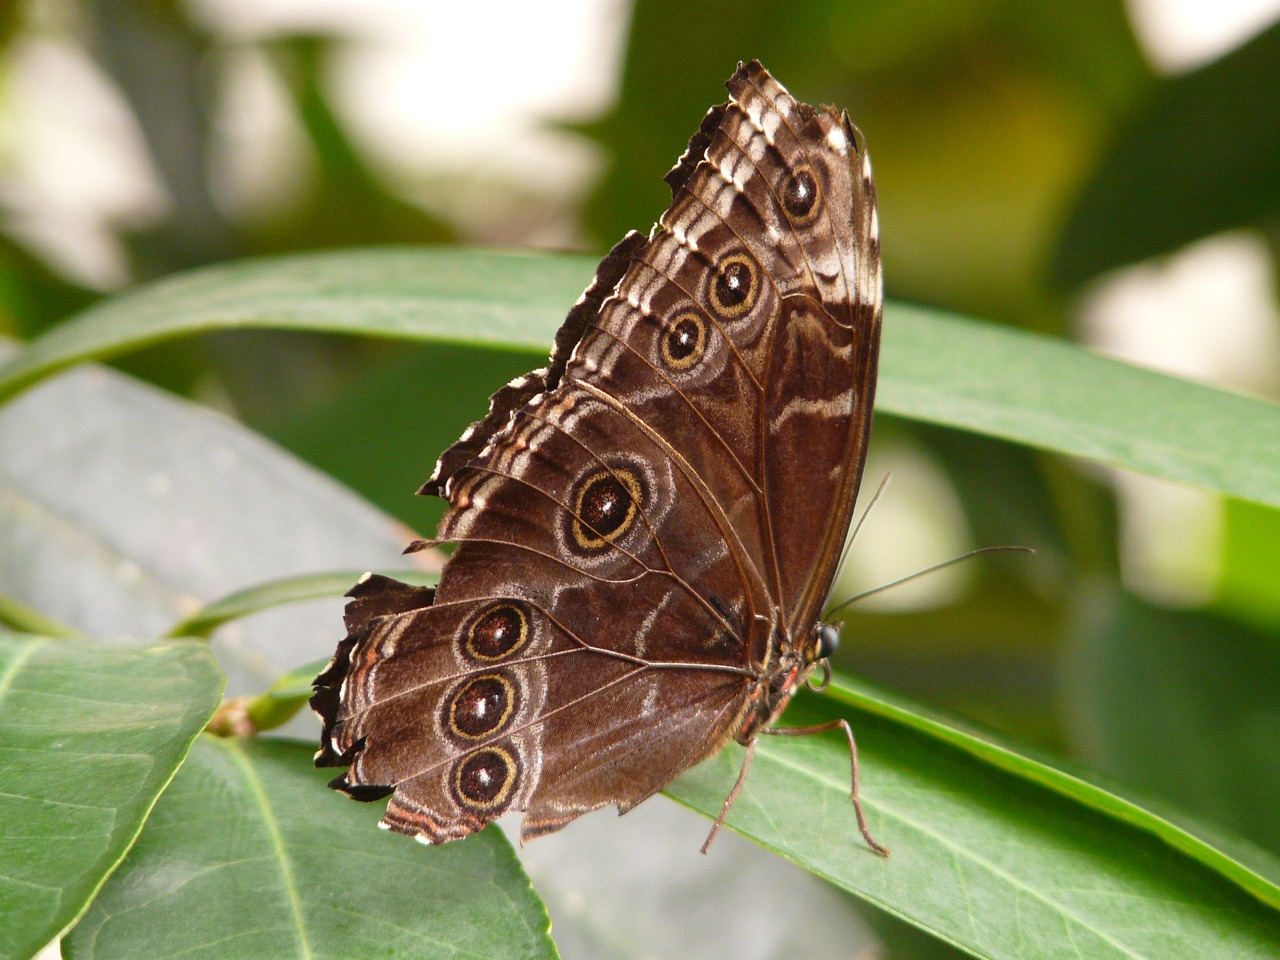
(481, 707)
(482, 781)
(735, 286)
(498, 633)
(800, 195)
(605, 507)
(683, 340)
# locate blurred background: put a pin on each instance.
(1102, 171)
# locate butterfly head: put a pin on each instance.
(823, 643)
(827, 639)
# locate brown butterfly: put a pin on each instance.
(646, 529)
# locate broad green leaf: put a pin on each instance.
(1052, 395)
(1199, 158)
(123, 508)
(936, 367)
(1253, 869)
(248, 855)
(990, 862)
(90, 735)
(507, 300)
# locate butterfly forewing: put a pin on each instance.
(647, 527)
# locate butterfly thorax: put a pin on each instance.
(779, 681)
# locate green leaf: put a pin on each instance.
(1052, 395)
(20, 618)
(1254, 870)
(247, 855)
(936, 367)
(140, 505)
(991, 862)
(1199, 158)
(506, 300)
(90, 735)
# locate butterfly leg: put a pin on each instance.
(733, 794)
(840, 724)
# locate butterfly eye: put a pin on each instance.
(683, 341)
(605, 507)
(735, 286)
(483, 780)
(828, 640)
(497, 634)
(800, 196)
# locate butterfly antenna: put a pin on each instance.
(848, 543)
(927, 570)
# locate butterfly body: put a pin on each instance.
(646, 528)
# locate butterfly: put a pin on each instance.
(645, 529)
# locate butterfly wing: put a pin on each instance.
(564, 663)
(819, 384)
(637, 523)
(747, 330)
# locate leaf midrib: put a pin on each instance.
(277, 840)
(20, 661)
